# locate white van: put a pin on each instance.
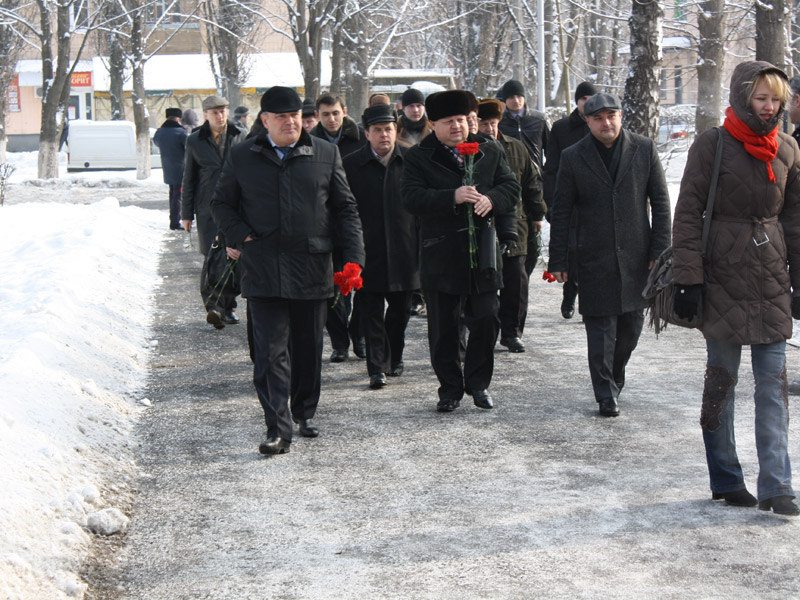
(105, 145)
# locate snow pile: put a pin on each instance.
(77, 295)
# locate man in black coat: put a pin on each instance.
(460, 273)
(527, 125)
(391, 270)
(614, 181)
(566, 132)
(206, 150)
(283, 199)
(337, 128)
(171, 141)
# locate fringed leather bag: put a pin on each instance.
(660, 289)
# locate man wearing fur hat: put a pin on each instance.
(413, 125)
(566, 132)
(206, 150)
(528, 126)
(391, 270)
(433, 189)
(171, 141)
(283, 199)
(527, 221)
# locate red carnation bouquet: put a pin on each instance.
(348, 279)
(468, 150)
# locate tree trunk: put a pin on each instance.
(116, 46)
(55, 85)
(711, 54)
(548, 51)
(140, 117)
(771, 32)
(642, 87)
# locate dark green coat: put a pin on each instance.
(430, 178)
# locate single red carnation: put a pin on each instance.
(467, 148)
(351, 270)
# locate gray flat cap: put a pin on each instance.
(600, 102)
(214, 102)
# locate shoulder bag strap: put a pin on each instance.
(712, 192)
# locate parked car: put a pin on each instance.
(105, 145)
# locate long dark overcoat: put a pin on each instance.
(202, 168)
(430, 179)
(565, 132)
(171, 141)
(618, 230)
(294, 210)
(391, 241)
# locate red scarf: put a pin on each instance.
(762, 147)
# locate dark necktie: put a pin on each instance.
(283, 151)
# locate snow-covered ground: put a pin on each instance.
(78, 284)
(79, 278)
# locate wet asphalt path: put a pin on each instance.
(538, 498)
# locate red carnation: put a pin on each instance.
(467, 148)
(348, 279)
(548, 276)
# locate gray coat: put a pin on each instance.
(618, 230)
(202, 168)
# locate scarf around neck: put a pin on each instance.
(762, 147)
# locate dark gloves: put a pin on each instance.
(686, 300)
(507, 247)
(796, 307)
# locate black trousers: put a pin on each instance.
(444, 324)
(385, 333)
(513, 297)
(174, 206)
(287, 349)
(611, 341)
(340, 324)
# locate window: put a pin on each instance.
(663, 94)
(678, 85)
(157, 8)
(679, 12)
(79, 14)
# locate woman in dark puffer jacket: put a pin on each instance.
(743, 279)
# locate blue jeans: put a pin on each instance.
(772, 418)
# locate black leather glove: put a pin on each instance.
(796, 307)
(686, 300)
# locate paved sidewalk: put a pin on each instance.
(538, 498)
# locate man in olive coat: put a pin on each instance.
(614, 181)
(391, 271)
(528, 221)
(283, 199)
(433, 189)
(206, 150)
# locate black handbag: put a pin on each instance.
(487, 248)
(219, 273)
(660, 289)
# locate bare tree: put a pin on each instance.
(771, 32)
(711, 54)
(11, 45)
(640, 107)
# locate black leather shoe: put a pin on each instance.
(417, 310)
(360, 348)
(307, 428)
(377, 381)
(609, 407)
(567, 310)
(447, 405)
(230, 318)
(274, 445)
(780, 505)
(397, 370)
(513, 344)
(214, 317)
(737, 498)
(482, 399)
(338, 356)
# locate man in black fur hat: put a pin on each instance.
(454, 285)
(283, 199)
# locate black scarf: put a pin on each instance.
(414, 127)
